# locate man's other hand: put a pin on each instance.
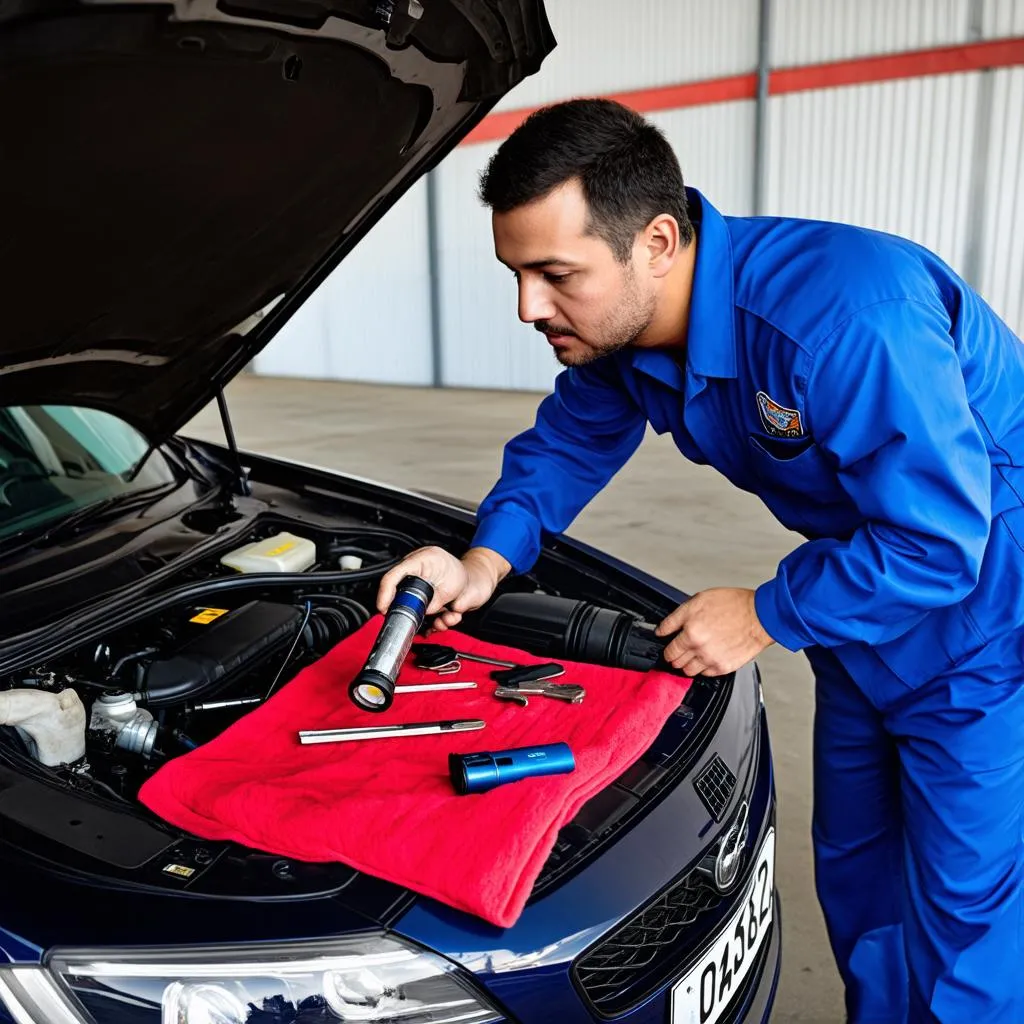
(460, 585)
(718, 632)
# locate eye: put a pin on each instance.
(557, 278)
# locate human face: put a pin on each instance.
(571, 287)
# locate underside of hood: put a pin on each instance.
(174, 171)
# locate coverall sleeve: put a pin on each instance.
(584, 432)
(886, 401)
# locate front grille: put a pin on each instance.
(641, 786)
(715, 785)
(632, 962)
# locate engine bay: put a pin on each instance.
(110, 712)
(102, 703)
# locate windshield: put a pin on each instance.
(56, 459)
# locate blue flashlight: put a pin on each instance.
(480, 772)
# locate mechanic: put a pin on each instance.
(876, 404)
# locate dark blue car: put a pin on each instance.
(179, 177)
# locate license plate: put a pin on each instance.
(704, 993)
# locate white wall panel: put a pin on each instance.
(370, 320)
(893, 156)
(484, 344)
(715, 147)
(816, 31)
(1002, 271)
(1003, 18)
(617, 45)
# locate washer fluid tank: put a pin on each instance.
(283, 552)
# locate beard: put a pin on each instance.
(617, 329)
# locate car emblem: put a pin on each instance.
(725, 869)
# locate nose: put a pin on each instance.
(534, 301)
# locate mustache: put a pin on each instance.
(547, 327)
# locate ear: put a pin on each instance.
(661, 245)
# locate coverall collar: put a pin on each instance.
(711, 340)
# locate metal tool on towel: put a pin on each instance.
(431, 687)
(520, 692)
(449, 668)
(380, 732)
(516, 684)
(444, 660)
(528, 673)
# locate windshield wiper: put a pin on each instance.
(137, 468)
(92, 513)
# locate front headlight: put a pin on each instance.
(367, 978)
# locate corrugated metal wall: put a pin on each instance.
(370, 320)
(483, 344)
(618, 45)
(879, 155)
(939, 159)
(1003, 18)
(816, 31)
(1002, 246)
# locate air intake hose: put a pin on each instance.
(559, 627)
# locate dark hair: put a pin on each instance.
(628, 171)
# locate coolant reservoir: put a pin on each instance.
(284, 552)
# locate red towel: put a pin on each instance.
(387, 806)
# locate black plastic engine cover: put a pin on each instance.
(219, 645)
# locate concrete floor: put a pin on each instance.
(681, 522)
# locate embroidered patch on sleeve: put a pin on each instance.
(777, 419)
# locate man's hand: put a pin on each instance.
(460, 586)
(719, 632)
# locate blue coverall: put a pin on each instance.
(876, 405)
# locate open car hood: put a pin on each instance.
(174, 170)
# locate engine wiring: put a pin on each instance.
(291, 650)
(140, 666)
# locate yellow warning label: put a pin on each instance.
(280, 549)
(207, 615)
(180, 869)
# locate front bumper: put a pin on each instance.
(752, 1001)
(531, 972)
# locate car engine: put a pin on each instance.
(188, 662)
(110, 712)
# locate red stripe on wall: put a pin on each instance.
(665, 97)
(886, 68)
(891, 67)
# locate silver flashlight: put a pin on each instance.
(373, 689)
